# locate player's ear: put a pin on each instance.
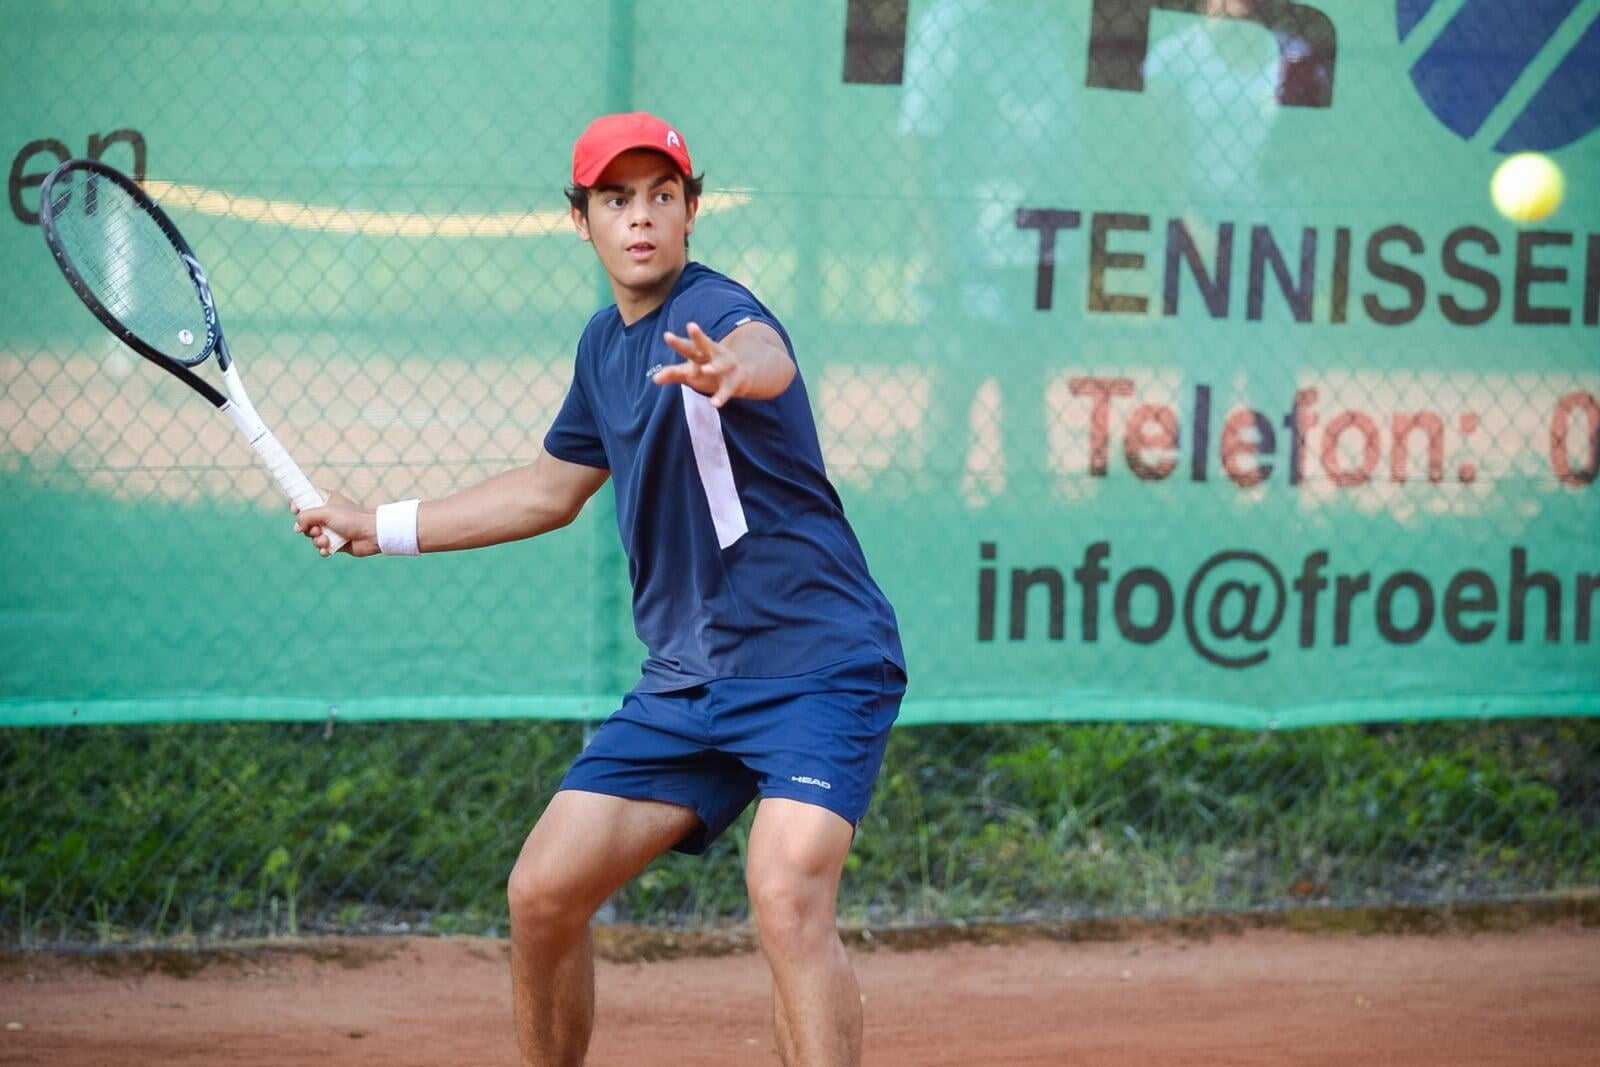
(693, 206)
(580, 222)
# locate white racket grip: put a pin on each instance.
(293, 480)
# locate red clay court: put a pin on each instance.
(1265, 997)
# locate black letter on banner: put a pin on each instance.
(1588, 586)
(1119, 42)
(1090, 576)
(1591, 283)
(1407, 279)
(1339, 299)
(1529, 273)
(1143, 635)
(1521, 583)
(20, 181)
(1385, 608)
(1346, 588)
(1102, 260)
(1308, 585)
(875, 42)
(1215, 287)
(1264, 250)
(98, 144)
(1021, 582)
(986, 583)
(1047, 222)
(1472, 275)
(1458, 603)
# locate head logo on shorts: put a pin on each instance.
(1482, 55)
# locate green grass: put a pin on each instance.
(235, 830)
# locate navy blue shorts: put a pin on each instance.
(817, 738)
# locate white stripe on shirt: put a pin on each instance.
(716, 472)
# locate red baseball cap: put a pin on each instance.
(611, 135)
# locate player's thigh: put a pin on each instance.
(586, 845)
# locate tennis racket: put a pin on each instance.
(128, 263)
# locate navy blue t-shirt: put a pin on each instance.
(742, 563)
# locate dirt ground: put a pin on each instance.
(1260, 997)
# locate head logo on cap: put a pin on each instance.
(611, 135)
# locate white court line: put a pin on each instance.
(294, 215)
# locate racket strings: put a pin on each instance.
(126, 260)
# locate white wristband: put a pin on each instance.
(397, 528)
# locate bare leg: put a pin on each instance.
(584, 846)
(781, 1030)
(796, 856)
(552, 990)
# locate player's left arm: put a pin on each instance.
(752, 361)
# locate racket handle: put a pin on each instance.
(293, 480)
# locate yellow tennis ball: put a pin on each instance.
(1527, 187)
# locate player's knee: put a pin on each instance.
(541, 904)
(792, 911)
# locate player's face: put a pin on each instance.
(638, 221)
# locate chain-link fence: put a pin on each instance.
(242, 830)
(1169, 357)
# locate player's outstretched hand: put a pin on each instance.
(356, 524)
(711, 368)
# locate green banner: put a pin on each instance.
(1170, 356)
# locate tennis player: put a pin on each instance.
(774, 667)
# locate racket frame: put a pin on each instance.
(52, 237)
(236, 405)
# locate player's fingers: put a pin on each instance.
(702, 340)
(685, 347)
(307, 519)
(324, 543)
(682, 346)
(677, 374)
(702, 379)
(729, 382)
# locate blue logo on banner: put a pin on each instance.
(1484, 49)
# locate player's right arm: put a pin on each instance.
(545, 495)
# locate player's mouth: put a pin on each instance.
(641, 250)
